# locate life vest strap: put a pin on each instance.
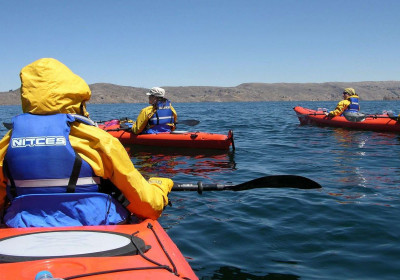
(13, 188)
(74, 174)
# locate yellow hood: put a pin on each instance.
(50, 87)
(349, 91)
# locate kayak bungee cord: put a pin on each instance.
(141, 253)
(150, 226)
(113, 271)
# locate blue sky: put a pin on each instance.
(204, 42)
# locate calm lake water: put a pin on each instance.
(349, 229)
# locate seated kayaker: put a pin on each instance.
(58, 169)
(159, 117)
(348, 104)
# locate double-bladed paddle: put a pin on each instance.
(185, 122)
(358, 117)
(314, 114)
(273, 181)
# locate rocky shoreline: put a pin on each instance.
(105, 93)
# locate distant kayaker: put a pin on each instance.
(58, 169)
(160, 116)
(348, 104)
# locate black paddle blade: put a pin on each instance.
(189, 122)
(8, 125)
(278, 181)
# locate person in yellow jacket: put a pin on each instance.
(50, 88)
(159, 117)
(350, 103)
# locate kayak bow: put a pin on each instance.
(122, 252)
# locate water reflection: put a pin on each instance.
(360, 162)
(348, 138)
(167, 162)
(227, 272)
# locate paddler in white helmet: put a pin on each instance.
(58, 169)
(159, 117)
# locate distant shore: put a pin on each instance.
(103, 93)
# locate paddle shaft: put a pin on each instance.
(314, 114)
(380, 117)
(184, 122)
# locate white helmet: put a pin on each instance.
(156, 91)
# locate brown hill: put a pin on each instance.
(110, 93)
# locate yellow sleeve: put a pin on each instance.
(3, 149)
(109, 160)
(175, 117)
(341, 106)
(142, 119)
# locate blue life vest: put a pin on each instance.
(354, 106)
(49, 184)
(163, 116)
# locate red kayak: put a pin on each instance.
(179, 139)
(120, 252)
(376, 122)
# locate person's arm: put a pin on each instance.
(341, 106)
(175, 117)
(142, 119)
(3, 149)
(109, 160)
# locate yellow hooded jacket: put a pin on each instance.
(49, 87)
(343, 104)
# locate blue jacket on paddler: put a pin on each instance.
(44, 170)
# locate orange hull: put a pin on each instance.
(119, 267)
(371, 122)
(192, 140)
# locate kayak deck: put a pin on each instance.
(370, 122)
(178, 139)
(160, 258)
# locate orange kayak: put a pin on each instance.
(369, 122)
(179, 139)
(120, 252)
